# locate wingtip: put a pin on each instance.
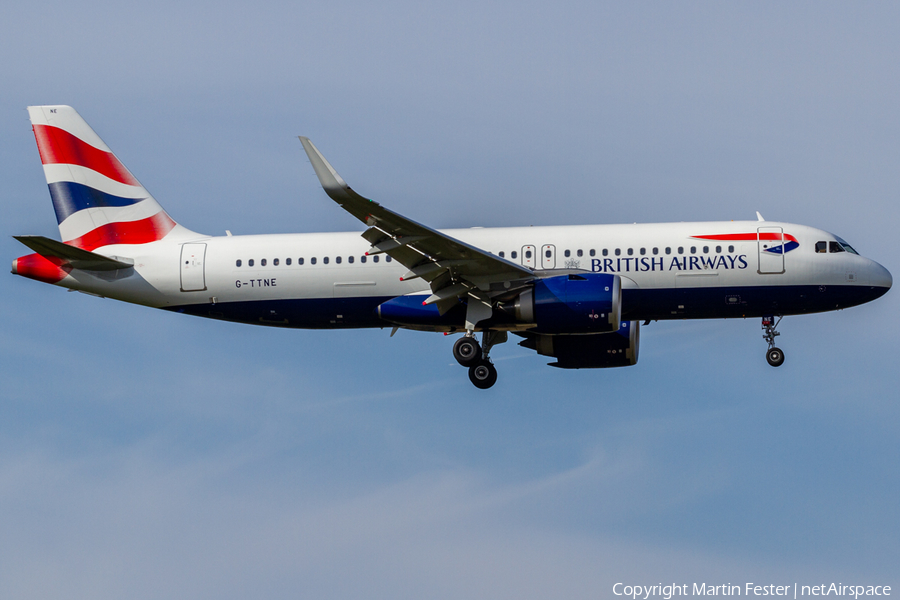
(328, 177)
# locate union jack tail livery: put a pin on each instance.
(101, 208)
(98, 202)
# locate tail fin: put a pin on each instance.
(98, 202)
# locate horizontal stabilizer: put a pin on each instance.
(75, 257)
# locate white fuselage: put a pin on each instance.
(662, 267)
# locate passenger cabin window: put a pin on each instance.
(731, 248)
(643, 251)
(275, 262)
(388, 258)
(567, 253)
(513, 254)
(250, 262)
(262, 263)
(718, 249)
(656, 251)
(312, 261)
(580, 253)
(337, 259)
(375, 258)
(325, 260)
(593, 252)
(299, 261)
(287, 261)
(618, 252)
(237, 263)
(680, 250)
(502, 254)
(528, 254)
(605, 252)
(350, 259)
(630, 251)
(363, 259)
(668, 250)
(705, 249)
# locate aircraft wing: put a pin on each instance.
(453, 268)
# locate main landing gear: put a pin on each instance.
(774, 355)
(468, 353)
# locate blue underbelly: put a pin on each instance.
(637, 305)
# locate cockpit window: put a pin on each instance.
(835, 247)
(847, 247)
(821, 247)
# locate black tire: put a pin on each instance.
(483, 374)
(775, 357)
(466, 351)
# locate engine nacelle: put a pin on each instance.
(582, 303)
(598, 351)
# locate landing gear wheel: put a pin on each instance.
(483, 375)
(775, 357)
(466, 351)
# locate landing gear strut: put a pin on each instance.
(774, 356)
(468, 353)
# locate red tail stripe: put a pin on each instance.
(58, 146)
(146, 230)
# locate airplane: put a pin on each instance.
(577, 294)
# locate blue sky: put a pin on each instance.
(151, 455)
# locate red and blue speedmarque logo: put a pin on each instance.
(786, 242)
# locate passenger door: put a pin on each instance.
(193, 277)
(770, 245)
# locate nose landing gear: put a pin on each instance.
(774, 356)
(468, 353)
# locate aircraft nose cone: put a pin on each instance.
(880, 277)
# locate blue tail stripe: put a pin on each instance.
(69, 198)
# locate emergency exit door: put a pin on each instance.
(193, 278)
(528, 258)
(548, 256)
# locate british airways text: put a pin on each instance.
(641, 264)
